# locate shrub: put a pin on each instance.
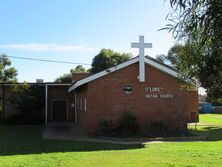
(158, 128)
(127, 125)
(27, 98)
(29, 101)
(36, 117)
(0, 112)
(105, 128)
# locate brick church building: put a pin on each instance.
(144, 86)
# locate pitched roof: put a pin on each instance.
(149, 60)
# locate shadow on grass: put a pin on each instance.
(21, 140)
(212, 133)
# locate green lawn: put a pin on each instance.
(211, 118)
(23, 146)
(210, 126)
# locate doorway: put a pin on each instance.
(59, 110)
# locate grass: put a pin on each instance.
(215, 119)
(210, 126)
(23, 146)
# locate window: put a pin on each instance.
(85, 104)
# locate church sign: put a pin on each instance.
(156, 93)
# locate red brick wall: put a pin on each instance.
(82, 114)
(107, 101)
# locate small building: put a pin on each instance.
(58, 106)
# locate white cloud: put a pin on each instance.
(41, 47)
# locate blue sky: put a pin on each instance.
(76, 30)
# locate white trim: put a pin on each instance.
(120, 66)
(67, 110)
(162, 67)
(58, 84)
(103, 73)
(142, 68)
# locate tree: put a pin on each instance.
(78, 68)
(172, 56)
(67, 78)
(200, 64)
(199, 17)
(7, 73)
(198, 23)
(30, 101)
(108, 58)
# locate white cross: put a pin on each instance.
(141, 45)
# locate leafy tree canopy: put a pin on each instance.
(78, 68)
(7, 73)
(198, 23)
(172, 56)
(200, 18)
(67, 78)
(108, 58)
(30, 101)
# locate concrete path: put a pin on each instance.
(69, 131)
(204, 124)
(62, 131)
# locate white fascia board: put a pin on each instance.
(58, 84)
(162, 68)
(103, 73)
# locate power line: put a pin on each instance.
(47, 60)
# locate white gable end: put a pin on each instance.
(161, 67)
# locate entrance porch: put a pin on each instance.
(59, 105)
